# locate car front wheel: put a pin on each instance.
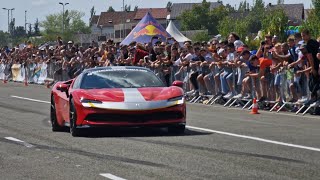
(53, 117)
(73, 119)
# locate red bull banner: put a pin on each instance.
(145, 30)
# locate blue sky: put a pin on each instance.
(41, 8)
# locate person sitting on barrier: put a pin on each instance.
(245, 67)
(195, 69)
(221, 56)
(205, 71)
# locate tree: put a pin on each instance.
(239, 26)
(169, 6)
(36, 28)
(136, 8)
(200, 17)
(73, 24)
(275, 22)
(30, 30)
(4, 38)
(92, 13)
(127, 8)
(280, 2)
(12, 26)
(110, 9)
(258, 6)
(19, 32)
(313, 21)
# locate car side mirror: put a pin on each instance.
(63, 87)
(178, 84)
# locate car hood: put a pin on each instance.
(131, 94)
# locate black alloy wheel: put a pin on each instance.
(73, 119)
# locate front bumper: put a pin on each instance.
(95, 117)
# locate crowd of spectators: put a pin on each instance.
(218, 67)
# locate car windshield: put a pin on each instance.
(120, 78)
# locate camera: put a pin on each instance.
(263, 43)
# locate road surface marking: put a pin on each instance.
(221, 132)
(264, 112)
(111, 176)
(255, 138)
(29, 99)
(19, 141)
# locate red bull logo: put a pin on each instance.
(149, 30)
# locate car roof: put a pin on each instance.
(115, 68)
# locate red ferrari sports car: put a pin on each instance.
(117, 96)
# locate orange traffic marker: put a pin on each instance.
(255, 107)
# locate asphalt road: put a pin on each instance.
(232, 144)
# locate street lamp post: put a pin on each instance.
(6, 9)
(25, 21)
(63, 4)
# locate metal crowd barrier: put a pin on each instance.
(43, 73)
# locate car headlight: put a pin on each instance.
(90, 101)
(178, 100)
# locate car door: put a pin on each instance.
(64, 103)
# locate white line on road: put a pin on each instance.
(255, 138)
(19, 141)
(29, 99)
(111, 176)
(220, 132)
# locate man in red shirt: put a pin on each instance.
(138, 54)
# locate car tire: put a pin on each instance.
(53, 117)
(73, 119)
(177, 129)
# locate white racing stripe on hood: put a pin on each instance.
(132, 95)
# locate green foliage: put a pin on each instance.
(4, 38)
(73, 24)
(135, 8)
(92, 13)
(230, 24)
(36, 28)
(200, 17)
(110, 9)
(169, 5)
(127, 8)
(312, 24)
(313, 21)
(201, 36)
(275, 22)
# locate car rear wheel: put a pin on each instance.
(53, 117)
(177, 129)
(73, 119)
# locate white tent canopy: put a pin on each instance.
(174, 32)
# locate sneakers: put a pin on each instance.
(239, 96)
(248, 96)
(229, 95)
(303, 100)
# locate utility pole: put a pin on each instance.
(6, 9)
(25, 21)
(122, 21)
(63, 4)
